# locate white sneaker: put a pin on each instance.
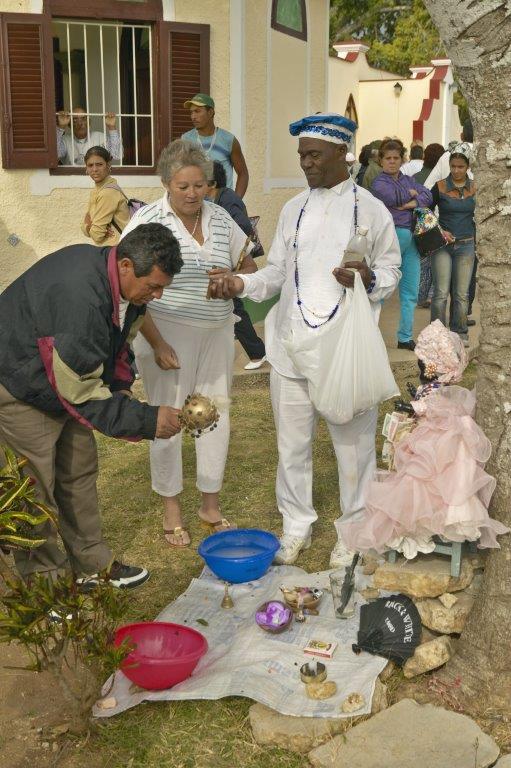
(253, 365)
(341, 556)
(290, 548)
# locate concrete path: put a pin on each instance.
(388, 324)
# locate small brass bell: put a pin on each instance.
(227, 601)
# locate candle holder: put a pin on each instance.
(313, 672)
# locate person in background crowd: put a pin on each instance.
(216, 143)
(415, 162)
(244, 331)
(373, 167)
(401, 194)
(64, 371)
(432, 155)
(363, 159)
(108, 212)
(442, 168)
(353, 165)
(72, 145)
(188, 343)
(452, 265)
(317, 225)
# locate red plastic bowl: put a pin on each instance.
(164, 654)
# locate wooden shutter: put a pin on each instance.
(184, 71)
(28, 133)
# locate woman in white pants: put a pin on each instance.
(188, 341)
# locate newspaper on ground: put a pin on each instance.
(243, 660)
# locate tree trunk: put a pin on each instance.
(477, 36)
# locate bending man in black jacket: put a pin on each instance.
(65, 369)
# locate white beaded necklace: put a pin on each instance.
(210, 148)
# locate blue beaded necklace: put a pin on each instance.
(297, 277)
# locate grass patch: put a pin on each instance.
(203, 734)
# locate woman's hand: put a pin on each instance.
(409, 205)
(448, 236)
(165, 357)
(223, 284)
(413, 192)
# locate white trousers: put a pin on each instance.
(354, 444)
(206, 356)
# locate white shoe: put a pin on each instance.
(341, 556)
(255, 364)
(290, 548)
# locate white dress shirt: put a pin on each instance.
(326, 226)
(412, 167)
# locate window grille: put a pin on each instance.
(102, 68)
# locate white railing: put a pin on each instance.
(62, 28)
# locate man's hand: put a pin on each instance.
(223, 284)
(167, 424)
(165, 357)
(346, 277)
(63, 119)
(110, 121)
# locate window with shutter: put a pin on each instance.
(34, 76)
(26, 98)
(185, 72)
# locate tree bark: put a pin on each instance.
(477, 36)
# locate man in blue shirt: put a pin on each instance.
(217, 143)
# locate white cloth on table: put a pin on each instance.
(206, 356)
(325, 229)
(296, 420)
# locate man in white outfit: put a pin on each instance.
(304, 265)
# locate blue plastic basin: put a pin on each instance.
(240, 555)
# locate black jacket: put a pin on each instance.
(61, 346)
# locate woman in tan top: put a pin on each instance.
(108, 211)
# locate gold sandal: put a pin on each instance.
(219, 525)
(179, 532)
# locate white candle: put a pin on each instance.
(313, 667)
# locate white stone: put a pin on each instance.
(448, 600)
(409, 734)
(504, 762)
(426, 576)
(428, 656)
(440, 618)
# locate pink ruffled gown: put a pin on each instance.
(439, 486)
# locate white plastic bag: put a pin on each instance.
(345, 361)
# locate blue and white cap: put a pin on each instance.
(327, 126)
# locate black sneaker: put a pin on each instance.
(120, 575)
(406, 345)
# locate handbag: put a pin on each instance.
(427, 233)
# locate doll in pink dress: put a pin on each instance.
(439, 486)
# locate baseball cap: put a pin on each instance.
(200, 100)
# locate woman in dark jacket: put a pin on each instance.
(452, 265)
(244, 331)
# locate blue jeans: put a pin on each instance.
(409, 283)
(452, 269)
